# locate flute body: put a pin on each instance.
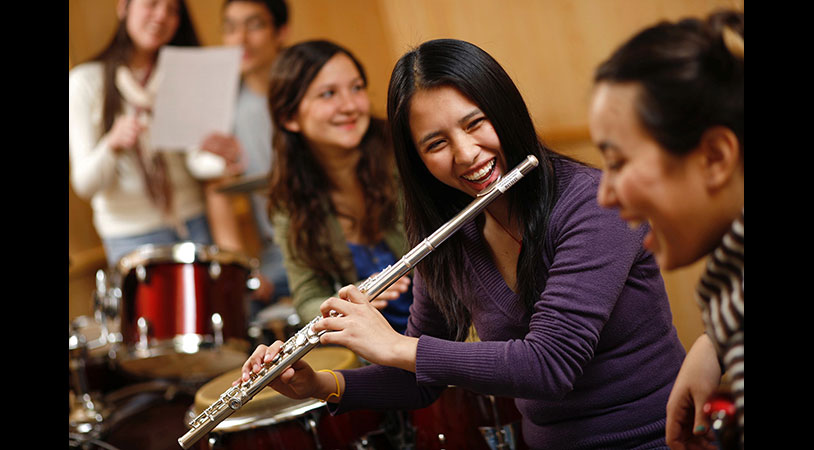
(306, 339)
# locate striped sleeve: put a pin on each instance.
(720, 296)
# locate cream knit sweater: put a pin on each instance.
(112, 182)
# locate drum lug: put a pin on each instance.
(217, 328)
(214, 270)
(143, 335)
(213, 441)
(106, 297)
(141, 273)
(311, 427)
(253, 282)
(101, 295)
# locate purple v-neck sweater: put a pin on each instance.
(591, 366)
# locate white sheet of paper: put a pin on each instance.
(196, 95)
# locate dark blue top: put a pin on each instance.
(372, 259)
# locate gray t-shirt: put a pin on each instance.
(253, 129)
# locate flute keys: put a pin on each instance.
(312, 336)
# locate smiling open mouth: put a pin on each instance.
(482, 174)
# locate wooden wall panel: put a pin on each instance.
(91, 24)
(206, 16)
(355, 24)
(549, 47)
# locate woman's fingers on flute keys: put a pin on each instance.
(262, 354)
(247, 366)
(352, 294)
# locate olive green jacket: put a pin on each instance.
(309, 289)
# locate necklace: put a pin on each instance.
(519, 242)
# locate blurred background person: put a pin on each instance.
(260, 27)
(139, 195)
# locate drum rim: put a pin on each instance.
(131, 355)
(186, 252)
(183, 343)
(244, 423)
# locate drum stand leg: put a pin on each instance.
(82, 442)
(310, 423)
(498, 437)
(399, 430)
(396, 433)
(87, 415)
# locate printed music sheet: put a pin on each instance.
(196, 95)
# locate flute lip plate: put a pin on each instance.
(530, 159)
(491, 187)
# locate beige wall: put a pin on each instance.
(549, 47)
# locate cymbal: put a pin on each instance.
(249, 183)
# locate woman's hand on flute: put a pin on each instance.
(298, 381)
(393, 292)
(362, 329)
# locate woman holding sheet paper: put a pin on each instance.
(138, 194)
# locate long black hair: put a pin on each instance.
(430, 203)
(691, 77)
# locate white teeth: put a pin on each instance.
(481, 173)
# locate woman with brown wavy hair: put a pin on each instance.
(333, 190)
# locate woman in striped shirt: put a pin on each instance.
(667, 117)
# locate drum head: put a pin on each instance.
(199, 366)
(269, 406)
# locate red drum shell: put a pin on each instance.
(177, 289)
(454, 419)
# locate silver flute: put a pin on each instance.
(306, 339)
